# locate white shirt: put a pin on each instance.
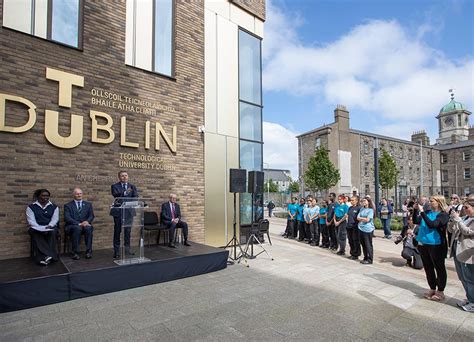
(30, 217)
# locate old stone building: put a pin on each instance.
(442, 168)
(168, 90)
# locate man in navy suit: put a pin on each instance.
(120, 191)
(171, 218)
(78, 217)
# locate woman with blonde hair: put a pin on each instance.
(462, 247)
(432, 244)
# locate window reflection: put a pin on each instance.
(250, 156)
(163, 36)
(65, 19)
(250, 68)
(250, 122)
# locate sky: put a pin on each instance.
(390, 62)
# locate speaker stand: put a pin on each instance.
(234, 242)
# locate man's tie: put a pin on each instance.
(79, 206)
(172, 211)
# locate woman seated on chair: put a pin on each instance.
(43, 218)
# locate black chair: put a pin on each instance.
(150, 223)
(264, 228)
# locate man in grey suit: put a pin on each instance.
(78, 217)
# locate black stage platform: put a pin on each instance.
(25, 285)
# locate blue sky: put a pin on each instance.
(390, 62)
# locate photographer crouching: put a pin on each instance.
(410, 251)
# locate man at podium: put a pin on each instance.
(121, 191)
(171, 218)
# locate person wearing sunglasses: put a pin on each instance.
(462, 249)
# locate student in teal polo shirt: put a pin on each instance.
(290, 224)
(340, 221)
(300, 220)
(322, 225)
(366, 228)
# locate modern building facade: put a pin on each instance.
(443, 168)
(167, 90)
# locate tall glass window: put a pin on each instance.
(56, 20)
(250, 130)
(149, 35)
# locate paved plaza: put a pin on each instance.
(306, 293)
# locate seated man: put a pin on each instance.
(171, 218)
(43, 218)
(78, 217)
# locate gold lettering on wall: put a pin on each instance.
(106, 128)
(31, 114)
(123, 134)
(160, 131)
(66, 81)
(51, 126)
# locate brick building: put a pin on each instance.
(91, 87)
(445, 166)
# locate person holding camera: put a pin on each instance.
(410, 251)
(462, 249)
(432, 244)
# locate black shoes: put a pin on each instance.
(170, 245)
(88, 255)
(75, 256)
(366, 262)
(116, 256)
(341, 253)
(353, 258)
(186, 243)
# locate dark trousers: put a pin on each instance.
(172, 226)
(290, 227)
(433, 262)
(332, 236)
(75, 232)
(354, 241)
(324, 235)
(118, 231)
(367, 247)
(313, 229)
(301, 230)
(342, 236)
(413, 257)
(270, 212)
(43, 244)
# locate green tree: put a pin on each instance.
(270, 186)
(321, 173)
(294, 187)
(388, 172)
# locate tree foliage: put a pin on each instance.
(270, 186)
(294, 187)
(321, 173)
(388, 172)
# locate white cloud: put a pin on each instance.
(378, 66)
(280, 148)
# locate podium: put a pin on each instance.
(132, 216)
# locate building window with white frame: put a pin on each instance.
(444, 158)
(466, 156)
(149, 37)
(59, 21)
(467, 173)
(317, 143)
(366, 147)
(444, 175)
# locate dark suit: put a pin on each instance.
(166, 219)
(116, 212)
(72, 218)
